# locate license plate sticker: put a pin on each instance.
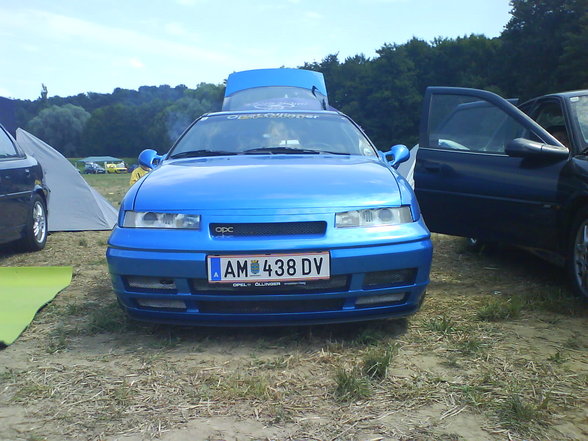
(269, 267)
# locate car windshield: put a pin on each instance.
(272, 133)
(580, 112)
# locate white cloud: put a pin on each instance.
(176, 29)
(313, 15)
(136, 63)
(49, 26)
(387, 1)
(30, 48)
(188, 2)
(5, 93)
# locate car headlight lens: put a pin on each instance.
(374, 217)
(151, 219)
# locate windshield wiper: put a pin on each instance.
(278, 150)
(201, 153)
(336, 153)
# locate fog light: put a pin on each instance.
(162, 304)
(379, 300)
(158, 283)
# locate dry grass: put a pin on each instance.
(82, 371)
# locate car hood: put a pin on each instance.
(268, 182)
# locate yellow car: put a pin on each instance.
(116, 167)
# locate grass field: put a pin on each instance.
(498, 352)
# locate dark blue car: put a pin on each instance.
(272, 212)
(492, 172)
(93, 168)
(23, 197)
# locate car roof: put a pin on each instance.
(249, 79)
(560, 95)
(275, 89)
(568, 94)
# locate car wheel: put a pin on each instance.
(475, 244)
(36, 229)
(577, 260)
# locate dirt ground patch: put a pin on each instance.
(499, 351)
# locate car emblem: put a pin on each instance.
(224, 230)
(255, 267)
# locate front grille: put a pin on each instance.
(334, 284)
(269, 307)
(268, 229)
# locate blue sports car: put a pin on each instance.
(282, 213)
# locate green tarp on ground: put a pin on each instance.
(23, 291)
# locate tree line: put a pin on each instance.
(542, 49)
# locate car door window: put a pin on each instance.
(579, 107)
(550, 115)
(528, 107)
(459, 122)
(7, 149)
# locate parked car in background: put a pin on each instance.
(493, 172)
(281, 214)
(23, 197)
(93, 168)
(118, 167)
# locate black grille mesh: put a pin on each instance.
(268, 229)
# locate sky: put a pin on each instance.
(79, 46)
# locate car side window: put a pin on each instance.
(527, 108)
(579, 107)
(7, 149)
(550, 115)
(470, 124)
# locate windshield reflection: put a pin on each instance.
(282, 132)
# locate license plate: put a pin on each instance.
(269, 267)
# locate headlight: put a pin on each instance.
(374, 217)
(150, 219)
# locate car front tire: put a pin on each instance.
(35, 236)
(577, 261)
(476, 245)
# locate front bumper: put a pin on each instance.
(379, 279)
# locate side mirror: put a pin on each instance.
(149, 158)
(525, 148)
(397, 154)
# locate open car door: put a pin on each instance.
(486, 170)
